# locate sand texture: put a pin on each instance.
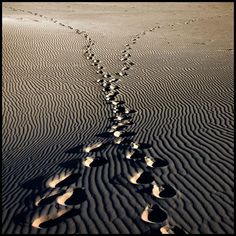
(117, 118)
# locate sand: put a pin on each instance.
(85, 84)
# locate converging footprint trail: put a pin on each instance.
(61, 190)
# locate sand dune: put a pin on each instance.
(144, 89)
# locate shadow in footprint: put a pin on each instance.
(68, 181)
(21, 218)
(77, 149)
(94, 161)
(50, 223)
(136, 155)
(35, 183)
(77, 197)
(49, 200)
(157, 215)
(160, 163)
(168, 191)
(145, 178)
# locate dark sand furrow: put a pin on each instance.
(191, 203)
(208, 157)
(101, 196)
(218, 150)
(204, 131)
(90, 182)
(193, 191)
(203, 215)
(184, 149)
(131, 215)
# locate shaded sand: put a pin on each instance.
(120, 74)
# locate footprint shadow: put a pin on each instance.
(50, 199)
(104, 135)
(71, 164)
(23, 218)
(74, 150)
(77, 197)
(35, 183)
(145, 178)
(53, 222)
(68, 181)
(159, 163)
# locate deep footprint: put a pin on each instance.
(153, 214)
(141, 177)
(64, 180)
(72, 197)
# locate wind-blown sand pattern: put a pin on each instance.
(113, 124)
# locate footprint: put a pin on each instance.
(54, 219)
(94, 161)
(153, 214)
(117, 127)
(155, 162)
(119, 109)
(125, 68)
(119, 140)
(126, 122)
(93, 147)
(94, 64)
(121, 117)
(124, 59)
(141, 177)
(72, 197)
(63, 180)
(163, 191)
(129, 154)
(135, 155)
(111, 95)
(99, 67)
(118, 134)
(48, 198)
(171, 230)
(135, 145)
(129, 63)
(106, 75)
(115, 103)
(122, 73)
(100, 80)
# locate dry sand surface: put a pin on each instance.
(117, 118)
